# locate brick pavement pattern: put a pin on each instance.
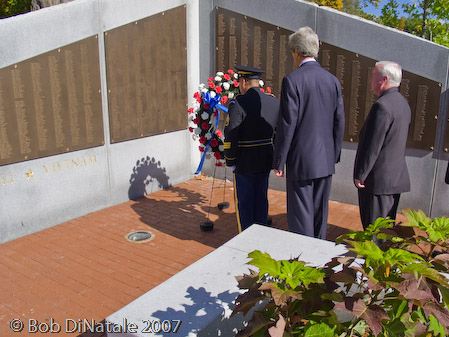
(86, 269)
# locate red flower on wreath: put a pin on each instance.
(226, 86)
(214, 142)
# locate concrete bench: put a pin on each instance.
(198, 300)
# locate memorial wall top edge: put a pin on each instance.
(115, 14)
(292, 14)
(30, 34)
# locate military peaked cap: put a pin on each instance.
(249, 72)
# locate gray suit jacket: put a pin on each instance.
(380, 158)
(311, 123)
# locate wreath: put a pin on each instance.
(205, 113)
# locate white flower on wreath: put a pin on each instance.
(212, 94)
(231, 95)
(218, 78)
(208, 135)
(205, 115)
(204, 90)
(201, 87)
(236, 76)
(197, 131)
(226, 85)
(221, 147)
(261, 83)
(220, 73)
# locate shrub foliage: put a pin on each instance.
(397, 287)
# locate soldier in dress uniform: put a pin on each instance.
(248, 146)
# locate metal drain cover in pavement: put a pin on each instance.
(140, 236)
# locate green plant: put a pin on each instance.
(398, 288)
(14, 7)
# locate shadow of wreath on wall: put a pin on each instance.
(147, 173)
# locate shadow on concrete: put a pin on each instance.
(190, 316)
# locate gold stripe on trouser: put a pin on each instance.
(236, 200)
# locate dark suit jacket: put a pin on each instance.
(380, 158)
(311, 123)
(249, 132)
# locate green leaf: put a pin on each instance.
(436, 327)
(360, 327)
(416, 219)
(379, 224)
(370, 251)
(445, 293)
(439, 229)
(424, 270)
(291, 272)
(265, 263)
(395, 328)
(319, 330)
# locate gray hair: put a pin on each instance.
(392, 70)
(305, 40)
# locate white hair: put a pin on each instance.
(305, 40)
(392, 70)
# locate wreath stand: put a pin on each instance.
(208, 225)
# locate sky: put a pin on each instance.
(376, 11)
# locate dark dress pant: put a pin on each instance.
(308, 206)
(373, 206)
(251, 201)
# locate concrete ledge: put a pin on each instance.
(198, 299)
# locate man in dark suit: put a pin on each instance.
(249, 146)
(380, 170)
(309, 136)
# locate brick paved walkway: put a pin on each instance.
(85, 269)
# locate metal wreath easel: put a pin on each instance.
(208, 225)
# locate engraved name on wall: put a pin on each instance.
(354, 73)
(146, 71)
(247, 41)
(51, 103)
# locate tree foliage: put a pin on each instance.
(428, 19)
(14, 7)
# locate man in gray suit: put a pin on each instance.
(380, 171)
(309, 136)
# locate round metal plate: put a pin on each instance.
(140, 236)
